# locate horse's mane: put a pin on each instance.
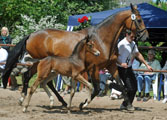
(108, 19)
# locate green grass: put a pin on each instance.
(19, 80)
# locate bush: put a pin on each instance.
(29, 25)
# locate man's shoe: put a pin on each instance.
(138, 98)
(122, 107)
(145, 99)
(130, 108)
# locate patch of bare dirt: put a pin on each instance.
(101, 108)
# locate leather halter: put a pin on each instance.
(138, 31)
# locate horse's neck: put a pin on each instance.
(109, 31)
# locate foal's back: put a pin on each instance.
(61, 65)
(68, 66)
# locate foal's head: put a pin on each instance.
(86, 45)
(90, 47)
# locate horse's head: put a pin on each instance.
(91, 47)
(135, 23)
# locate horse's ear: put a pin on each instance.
(133, 8)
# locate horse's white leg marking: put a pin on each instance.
(21, 100)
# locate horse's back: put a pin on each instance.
(50, 42)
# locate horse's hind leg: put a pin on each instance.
(50, 84)
(32, 90)
(43, 85)
(26, 77)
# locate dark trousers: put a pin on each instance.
(128, 77)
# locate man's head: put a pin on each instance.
(151, 55)
(130, 36)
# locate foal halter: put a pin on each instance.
(138, 33)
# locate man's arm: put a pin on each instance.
(141, 58)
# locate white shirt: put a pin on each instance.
(3, 56)
(125, 51)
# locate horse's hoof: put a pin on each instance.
(20, 102)
(51, 105)
(81, 106)
(64, 104)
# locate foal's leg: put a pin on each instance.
(32, 90)
(43, 85)
(72, 93)
(95, 81)
(88, 85)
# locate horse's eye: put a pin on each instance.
(90, 45)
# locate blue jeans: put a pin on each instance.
(103, 79)
(147, 79)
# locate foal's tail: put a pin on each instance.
(12, 59)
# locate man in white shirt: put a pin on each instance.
(127, 50)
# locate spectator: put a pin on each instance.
(5, 38)
(20, 69)
(135, 65)
(3, 57)
(147, 77)
(165, 84)
(103, 75)
(127, 49)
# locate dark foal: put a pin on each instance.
(72, 66)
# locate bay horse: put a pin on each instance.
(72, 66)
(50, 42)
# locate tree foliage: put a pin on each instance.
(11, 10)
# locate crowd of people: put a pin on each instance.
(129, 58)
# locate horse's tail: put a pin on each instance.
(12, 59)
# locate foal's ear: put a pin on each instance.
(87, 38)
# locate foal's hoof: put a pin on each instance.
(24, 110)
